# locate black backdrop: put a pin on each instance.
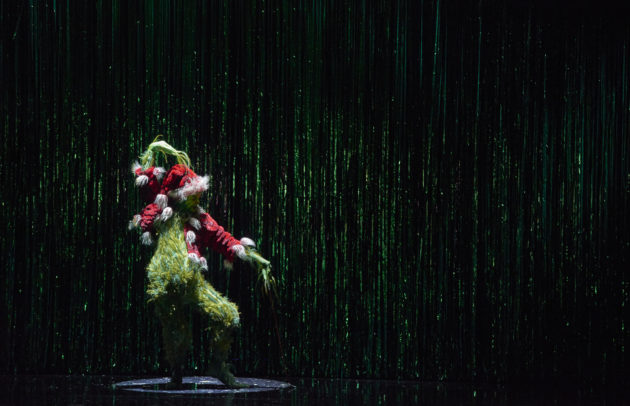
(443, 188)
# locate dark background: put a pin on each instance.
(442, 187)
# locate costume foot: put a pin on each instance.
(176, 380)
(225, 375)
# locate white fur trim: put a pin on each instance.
(248, 242)
(228, 265)
(194, 258)
(194, 186)
(142, 180)
(200, 210)
(135, 222)
(135, 166)
(146, 239)
(190, 237)
(166, 214)
(204, 264)
(161, 200)
(239, 251)
(159, 172)
(196, 224)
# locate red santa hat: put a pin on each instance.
(181, 182)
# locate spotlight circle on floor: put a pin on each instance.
(200, 385)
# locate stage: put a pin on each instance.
(128, 390)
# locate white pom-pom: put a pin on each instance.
(190, 237)
(146, 239)
(239, 251)
(142, 180)
(161, 200)
(195, 223)
(248, 242)
(204, 264)
(167, 213)
(228, 265)
(159, 172)
(135, 166)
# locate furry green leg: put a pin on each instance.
(171, 288)
(219, 368)
(177, 337)
(224, 321)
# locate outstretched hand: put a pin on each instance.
(263, 267)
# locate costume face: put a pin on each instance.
(193, 200)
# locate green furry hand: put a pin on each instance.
(264, 269)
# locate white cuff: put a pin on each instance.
(239, 251)
(248, 242)
(135, 222)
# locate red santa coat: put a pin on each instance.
(200, 230)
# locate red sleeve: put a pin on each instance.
(148, 215)
(214, 236)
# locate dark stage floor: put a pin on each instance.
(97, 390)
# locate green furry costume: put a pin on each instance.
(176, 284)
